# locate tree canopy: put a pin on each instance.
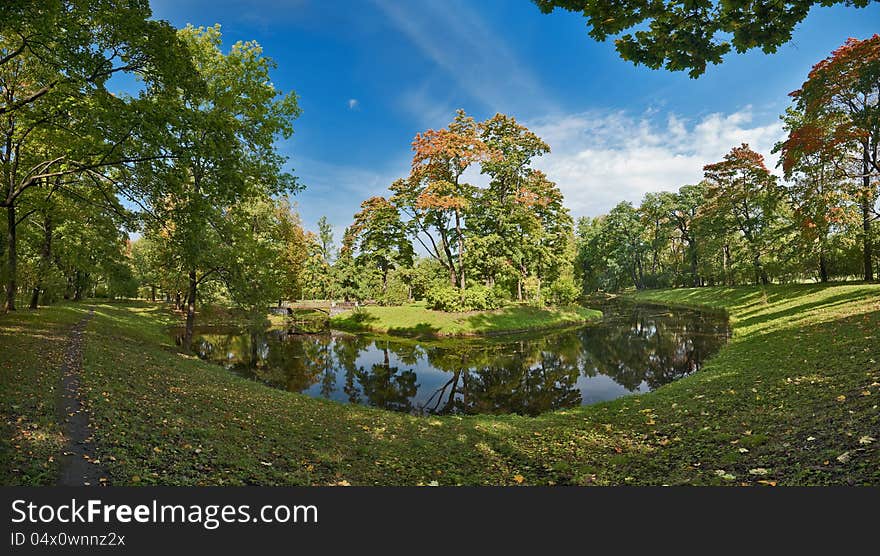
(686, 35)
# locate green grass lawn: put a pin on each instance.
(418, 321)
(791, 400)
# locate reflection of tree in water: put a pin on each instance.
(383, 385)
(388, 387)
(635, 345)
(654, 346)
(525, 377)
(347, 351)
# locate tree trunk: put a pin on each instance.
(460, 249)
(823, 266)
(640, 277)
(190, 311)
(45, 261)
(692, 247)
(760, 273)
(77, 286)
(725, 265)
(867, 248)
(153, 293)
(11, 260)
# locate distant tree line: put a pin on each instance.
(741, 224)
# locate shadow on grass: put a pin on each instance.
(421, 330)
(356, 320)
(800, 309)
(524, 318)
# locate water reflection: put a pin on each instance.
(635, 348)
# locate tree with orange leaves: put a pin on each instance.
(818, 190)
(842, 92)
(435, 198)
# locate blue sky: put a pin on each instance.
(372, 73)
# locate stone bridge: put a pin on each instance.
(332, 308)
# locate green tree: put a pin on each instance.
(57, 119)
(686, 34)
(622, 241)
(683, 212)
(224, 154)
(325, 235)
(742, 189)
(380, 238)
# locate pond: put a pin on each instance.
(633, 349)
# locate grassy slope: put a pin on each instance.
(791, 400)
(417, 320)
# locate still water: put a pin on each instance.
(634, 348)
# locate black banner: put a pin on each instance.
(149, 519)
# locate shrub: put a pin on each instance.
(475, 298)
(563, 291)
(443, 298)
(397, 292)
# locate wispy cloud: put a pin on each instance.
(452, 36)
(602, 158)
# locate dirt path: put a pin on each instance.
(78, 465)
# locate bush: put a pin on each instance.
(474, 298)
(397, 292)
(563, 291)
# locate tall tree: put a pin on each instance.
(843, 91)
(434, 197)
(325, 235)
(498, 213)
(223, 143)
(685, 207)
(742, 188)
(818, 182)
(380, 237)
(623, 244)
(57, 118)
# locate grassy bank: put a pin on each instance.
(418, 321)
(793, 399)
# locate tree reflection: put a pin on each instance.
(636, 346)
(649, 345)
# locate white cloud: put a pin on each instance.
(601, 158)
(353, 104)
